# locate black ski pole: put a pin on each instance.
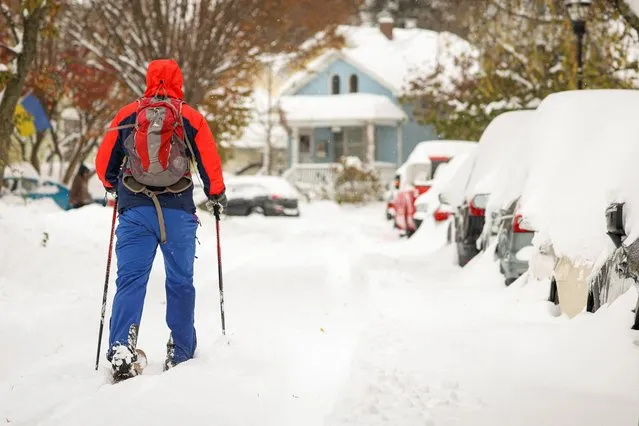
(216, 211)
(106, 283)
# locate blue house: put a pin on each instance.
(346, 102)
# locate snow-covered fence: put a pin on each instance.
(319, 178)
(317, 174)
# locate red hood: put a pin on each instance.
(164, 77)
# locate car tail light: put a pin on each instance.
(421, 189)
(440, 215)
(520, 225)
(275, 197)
(477, 205)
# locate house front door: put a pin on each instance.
(350, 142)
(305, 146)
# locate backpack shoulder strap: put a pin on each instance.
(126, 126)
(186, 137)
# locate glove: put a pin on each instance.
(218, 202)
(113, 190)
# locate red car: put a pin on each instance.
(412, 180)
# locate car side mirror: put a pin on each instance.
(614, 223)
(442, 199)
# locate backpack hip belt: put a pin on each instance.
(137, 188)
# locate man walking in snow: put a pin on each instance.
(145, 157)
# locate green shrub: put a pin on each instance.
(356, 183)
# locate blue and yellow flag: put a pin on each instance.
(30, 116)
(24, 122)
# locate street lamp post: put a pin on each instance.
(578, 12)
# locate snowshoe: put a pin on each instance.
(126, 363)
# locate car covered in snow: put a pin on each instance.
(24, 181)
(584, 162)
(266, 195)
(514, 243)
(469, 192)
(415, 177)
(428, 205)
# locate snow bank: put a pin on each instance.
(586, 153)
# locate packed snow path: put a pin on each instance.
(331, 320)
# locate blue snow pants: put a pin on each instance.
(138, 236)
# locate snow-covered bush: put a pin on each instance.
(356, 182)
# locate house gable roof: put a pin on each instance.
(392, 63)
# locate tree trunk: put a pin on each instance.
(35, 150)
(74, 161)
(14, 85)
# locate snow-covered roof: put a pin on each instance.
(393, 63)
(335, 110)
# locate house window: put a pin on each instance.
(353, 84)
(321, 149)
(335, 85)
(305, 152)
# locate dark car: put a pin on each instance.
(620, 270)
(267, 195)
(512, 237)
(467, 226)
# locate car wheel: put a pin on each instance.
(590, 304)
(554, 294)
(509, 281)
(636, 325)
(449, 234)
(462, 258)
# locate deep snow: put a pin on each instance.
(331, 320)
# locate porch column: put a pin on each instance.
(295, 146)
(400, 144)
(370, 143)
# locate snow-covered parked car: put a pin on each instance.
(23, 180)
(470, 190)
(584, 160)
(267, 195)
(514, 243)
(428, 205)
(415, 177)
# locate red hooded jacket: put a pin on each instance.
(164, 77)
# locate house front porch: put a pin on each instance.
(325, 129)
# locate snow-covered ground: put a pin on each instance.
(331, 320)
